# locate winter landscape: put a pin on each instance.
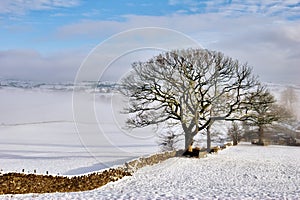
(149, 99)
(236, 173)
(32, 142)
(39, 133)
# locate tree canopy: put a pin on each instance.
(190, 87)
(262, 111)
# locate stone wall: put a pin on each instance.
(19, 183)
(149, 160)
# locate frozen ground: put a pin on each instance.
(242, 172)
(37, 132)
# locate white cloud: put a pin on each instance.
(30, 65)
(91, 13)
(287, 8)
(185, 2)
(292, 31)
(21, 7)
(268, 44)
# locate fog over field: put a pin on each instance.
(38, 132)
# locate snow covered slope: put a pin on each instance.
(37, 130)
(241, 172)
(38, 133)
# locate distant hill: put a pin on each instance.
(87, 86)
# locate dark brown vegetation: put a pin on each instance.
(194, 152)
(260, 143)
(202, 153)
(215, 149)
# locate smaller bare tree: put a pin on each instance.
(235, 132)
(168, 141)
(261, 110)
(289, 100)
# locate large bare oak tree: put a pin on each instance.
(191, 87)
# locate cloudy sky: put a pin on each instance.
(49, 39)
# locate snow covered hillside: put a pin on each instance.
(241, 172)
(38, 133)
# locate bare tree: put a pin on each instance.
(288, 96)
(289, 99)
(261, 110)
(185, 86)
(168, 141)
(235, 132)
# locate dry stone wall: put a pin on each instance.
(20, 183)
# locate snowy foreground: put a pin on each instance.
(242, 172)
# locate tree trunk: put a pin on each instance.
(235, 140)
(188, 136)
(260, 135)
(208, 142)
(188, 140)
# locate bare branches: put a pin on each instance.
(188, 86)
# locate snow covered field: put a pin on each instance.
(37, 133)
(241, 172)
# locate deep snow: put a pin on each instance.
(241, 172)
(37, 132)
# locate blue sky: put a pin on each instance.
(48, 39)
